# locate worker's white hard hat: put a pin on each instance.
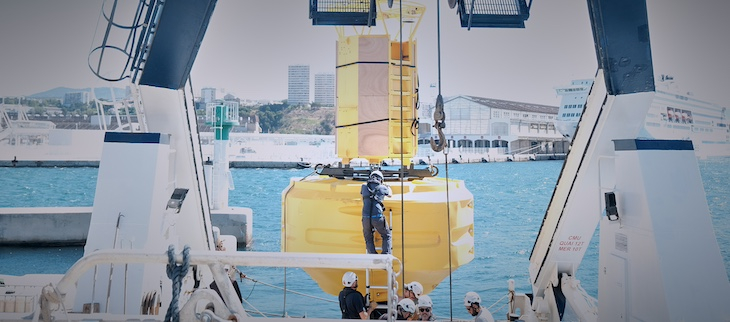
(407, 305)
(348, 279)
(425, 301)
(471, 298)
(377, 174)
(415, 287)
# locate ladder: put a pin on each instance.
(392, 286)
(401, 99)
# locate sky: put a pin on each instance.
(249, 44)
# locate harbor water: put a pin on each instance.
(510, 202)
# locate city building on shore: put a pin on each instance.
(72, 98)
(208, 95)
(477, 125)
(298, 89)
(324, 89)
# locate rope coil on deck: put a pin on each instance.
(176, 273)
(49, 295)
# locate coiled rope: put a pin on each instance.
(176, 273)
(49, 294)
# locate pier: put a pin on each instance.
(69, 226)
(95, 164)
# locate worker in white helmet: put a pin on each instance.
(472, 303)
(404, 311)
(413, 291)
(373, 193)
(425, 308)
(352, 303)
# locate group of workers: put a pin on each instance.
(413, 306)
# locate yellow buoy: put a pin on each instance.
(377, 86)
(321, 214)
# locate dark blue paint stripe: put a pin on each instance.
(125, 137)
(373, 63)
(635, 144)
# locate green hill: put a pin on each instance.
(308, 120)
(285, 119)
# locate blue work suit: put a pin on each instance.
(373, 194)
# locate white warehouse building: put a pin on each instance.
(484, 125)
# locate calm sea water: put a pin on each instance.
(510, 202)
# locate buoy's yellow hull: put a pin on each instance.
(323, 215)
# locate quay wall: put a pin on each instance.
(44, 225)
(95, 164)
(69, 226)
(48, 164)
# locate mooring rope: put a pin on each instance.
(448, 220)
(253, 308)
(176, 273)
(287, 290)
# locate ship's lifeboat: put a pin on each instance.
(321, 214)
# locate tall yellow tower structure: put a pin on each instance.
(377, 87)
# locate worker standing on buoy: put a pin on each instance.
(373, 193)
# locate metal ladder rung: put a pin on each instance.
(405, 77)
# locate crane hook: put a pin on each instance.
(439, 118)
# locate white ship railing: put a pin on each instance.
(215, 260)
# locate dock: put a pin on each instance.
(95, 164)
(69, 226)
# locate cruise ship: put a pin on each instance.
(671, 116)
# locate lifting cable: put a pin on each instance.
(401, 174)
(442, 143)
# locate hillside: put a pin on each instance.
(308, 120)
(285, 119)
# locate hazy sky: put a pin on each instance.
(249, 45)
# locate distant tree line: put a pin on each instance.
(273, 117)
(40, 105)
(270, 116)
